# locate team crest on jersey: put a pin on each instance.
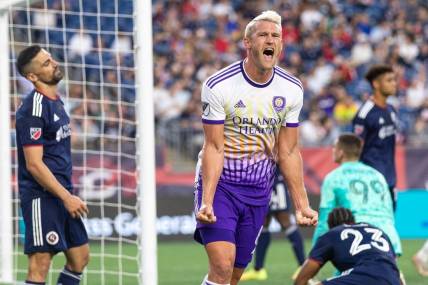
(52, 238)
(358, 129)
(35, 133)
(278, 103)
(205, 108)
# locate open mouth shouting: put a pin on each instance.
(268, 54)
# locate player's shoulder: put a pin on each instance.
(329, 236)
(391, 107)
(362, 226)
(33, 104)
(334, 174)
(370, 170)
(356, 226)
(287, 78)
(365, 109)
(223, 74)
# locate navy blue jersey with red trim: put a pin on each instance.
(43, 121)
(377, 127)
(351, 246)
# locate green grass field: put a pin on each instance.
(184, 263)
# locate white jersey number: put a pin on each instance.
(356, 247)
(278, 201)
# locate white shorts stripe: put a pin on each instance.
(39, 216)
(33, 214)
(37, 223)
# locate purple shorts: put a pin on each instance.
(237, 223)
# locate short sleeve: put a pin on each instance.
(30, 129)
(212, 107)
(292, 115)
(359, 126)
(322, 250)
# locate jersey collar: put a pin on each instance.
(47, 97)
(253, 83)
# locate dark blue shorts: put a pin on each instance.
(237, 223)
(49, 227)
(365, 275)
(280, 200)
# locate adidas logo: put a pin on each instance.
(240, 104)
(56, 118)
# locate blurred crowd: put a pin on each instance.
(95, 51)
(328, 44)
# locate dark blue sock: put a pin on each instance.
(34, 283)
(261, 250)
(296, 240)
(68, 277)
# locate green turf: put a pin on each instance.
(184, 263)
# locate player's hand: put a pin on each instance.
(75, 206)
(206, 215)
(307, 217)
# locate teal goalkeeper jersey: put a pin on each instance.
(364, 191)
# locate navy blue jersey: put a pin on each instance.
(280, 200)
(358, 245)
(43, 121)
(377, 127)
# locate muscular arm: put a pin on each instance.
(290, 163)
(309, 269)
(42, 174)
(212, 166)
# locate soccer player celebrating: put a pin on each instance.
(358, 187)
(250, 120)
(52, 214)
(376, 122)
(279, 208)
(360, 251)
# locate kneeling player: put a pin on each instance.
(363, 253)
(279, 209)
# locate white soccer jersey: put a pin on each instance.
(252, 115)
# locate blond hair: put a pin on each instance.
(269, 16)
